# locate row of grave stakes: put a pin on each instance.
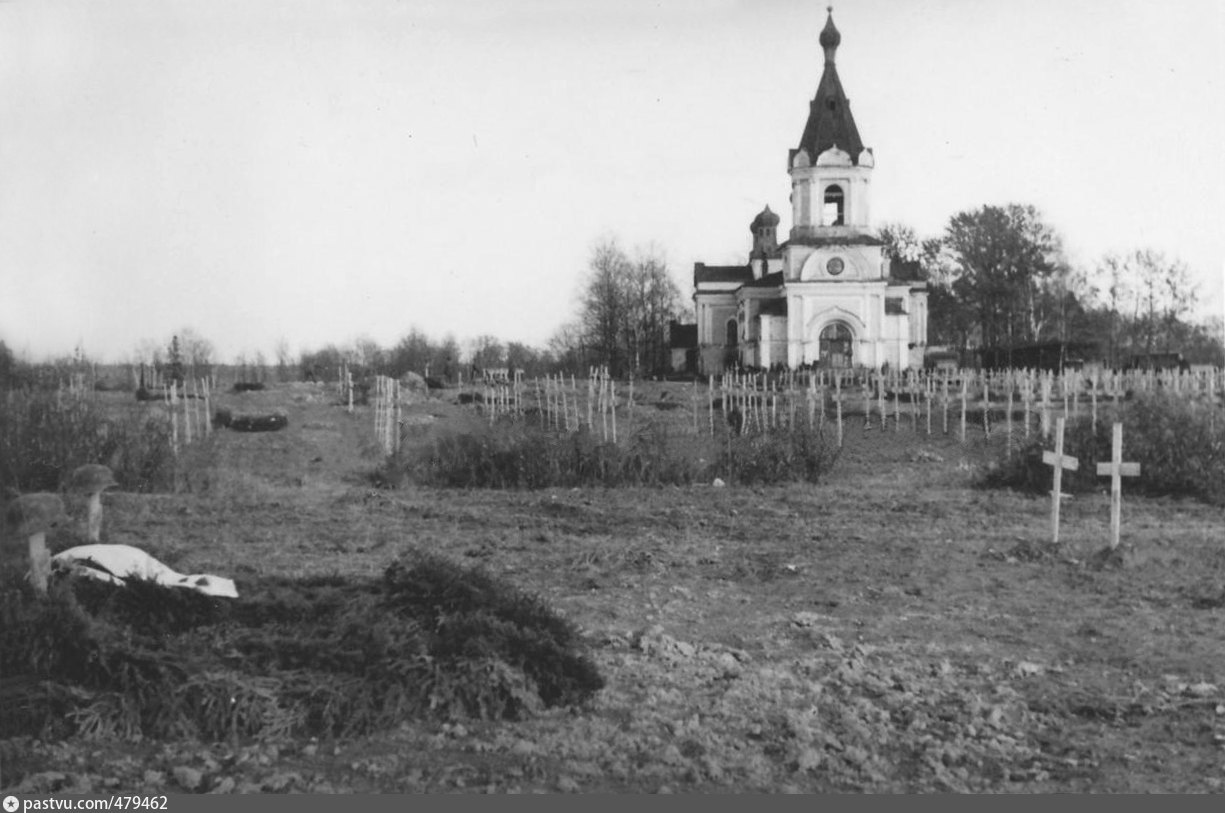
(187, 404)
(763, 403)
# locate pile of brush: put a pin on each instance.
(321, 656)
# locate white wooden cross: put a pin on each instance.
(838, 405)
(867, 403)
(964, 377)
(986, 406)
(1116, 470)
(1045, 382)
(1059, 461)
(880, 401)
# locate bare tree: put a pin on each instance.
(487, 353)
(625, 308)
(1147, 298)
(281, 349)
(196, 352)
(605, 304)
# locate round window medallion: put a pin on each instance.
(834, 266)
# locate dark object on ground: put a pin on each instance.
(225, 419)
(258, 423)
(434, 383)
(248, 386)
(321, 656)
(471, 398)
(145, 394)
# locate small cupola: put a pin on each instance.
(765, 235)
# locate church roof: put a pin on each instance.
(764, 218)
(830, 121)
(767, 281)
(721, 273)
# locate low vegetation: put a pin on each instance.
(875, 632)
(510, 454)
(44, 434)
(1178, 442)
(322, 656)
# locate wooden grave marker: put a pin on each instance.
(867, 403)
(880, 396)
(1116, 470)
(1045, 383)
(964, 379)
(1008, 421)
(928, 387)
(986, 406)
(1059, 461)
(944, 402)
(897, 405)
(838, 404)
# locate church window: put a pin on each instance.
(733, 333)
(834, 210)
(894, 306)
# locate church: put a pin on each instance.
(828, 296)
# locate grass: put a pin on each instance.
(291, 658)
(870, 632)
(1179, 444)
(654, 453)
(45, 434)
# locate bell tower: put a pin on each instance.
(830, 169)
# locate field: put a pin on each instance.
(892, 628)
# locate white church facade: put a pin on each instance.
(828, 296)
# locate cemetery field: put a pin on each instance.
(891, 628)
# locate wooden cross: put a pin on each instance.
(1116, 470)
(1008, 432)
(986, 406)
(867, 403)
(964, 379)
(944, 400)
(838, 404)
(880, 401)
(1046, 404)
(928, 387)
(1059, 461)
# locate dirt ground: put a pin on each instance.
(891, 629)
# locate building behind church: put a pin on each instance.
(827, 296)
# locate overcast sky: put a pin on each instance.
(323, 170)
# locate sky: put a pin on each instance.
(315, 172)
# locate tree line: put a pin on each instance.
(998, 279)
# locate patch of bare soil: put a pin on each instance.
(893, 628)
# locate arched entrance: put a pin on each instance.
(836, 345)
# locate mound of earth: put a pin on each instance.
(325, 656)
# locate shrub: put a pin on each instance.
(514, 455)
(1178, 442)
(782, 455)
(44, 436)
